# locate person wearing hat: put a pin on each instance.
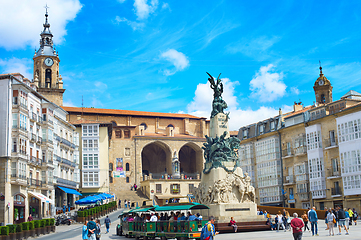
(153, 218)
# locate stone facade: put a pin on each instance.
(147, 142)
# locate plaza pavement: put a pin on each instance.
(74, 232)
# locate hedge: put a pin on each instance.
(36, 223)
(18, 228)
(12, 228)
(4, 230)
(42, 223)
(51, 221)
(31, 225)
(47, 222)
(25, 226)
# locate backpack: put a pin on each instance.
(205, 234)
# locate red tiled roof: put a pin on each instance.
(81, 121)
(127, 112)
(290, 114)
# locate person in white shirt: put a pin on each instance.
(153, 218)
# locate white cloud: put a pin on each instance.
(178, 59)
(121, 1)
(16, 65)
(132, 24)
(100, 86)
(202, 106)
(22, 21)
(143, 9)
(166, 6)
(68, 103)
(295, 90)
(266, 85)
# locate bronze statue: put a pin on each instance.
(218, 104)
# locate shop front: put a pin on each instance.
(19, 209)
(37, 205)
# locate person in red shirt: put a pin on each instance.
(297, 225)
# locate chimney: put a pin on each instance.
(297, 106)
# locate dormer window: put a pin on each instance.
(245, 133)
(272, 125)
(261, 129)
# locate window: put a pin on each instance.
(127, 152)
(261, 129)
(14, 145)
(158, 188)
(175, 188)
(191, 187)
(90, 179)
(15, 120)
(118, 133)
(23, 121)
(272, 125)
(245, 133)
(144, 125)
(90, 161)
(126, 133)
(90, 145)
(90, 130)
(127, 167)
(127, 179)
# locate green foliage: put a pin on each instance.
(18, 228)
(51, 221)
(4, 230)
(42, 223)
(12, 228)
(25, 226)
(31, 225)
(36, 223)
(47, 222)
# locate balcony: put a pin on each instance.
(336, 192)
(67, 162)
(47, 163)
(330, 143)
(317, 115)
(40, 120)
(317, 194)
(65, 182)
(289, 180)
(44, 141)
(67, 143)
(39, 140)
(33, 137)
(304, 196)
(333, 173)
(33, 117)
(286, 153)
(35, 161)
(35, 182)
(300, 150)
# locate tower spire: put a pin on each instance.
(46, 40)
(321, 74)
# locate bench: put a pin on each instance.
(243, 226)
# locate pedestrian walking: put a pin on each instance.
(208, 230)
(280, 221)
(296, 225)
(312, 216)
(341, 222)
(125, 203)
(107, 223)
(119, 203)
(305, 221)
(350, 213)
(347, 219)
(331, 219)
(85, 230)
(91, 225)
(288, 221)
(129, 204)
(326, 212)
(354, 216)
(98, 229)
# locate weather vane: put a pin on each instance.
(46, 7)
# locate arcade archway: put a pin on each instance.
(191, 160)
(156, 159)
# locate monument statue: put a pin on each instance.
(223, 186)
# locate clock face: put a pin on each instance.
(48, 62)
(321, 82)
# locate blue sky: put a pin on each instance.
(153, 55)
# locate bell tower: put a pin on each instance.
(46, 67)
(323, 89)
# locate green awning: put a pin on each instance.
(178, 207)
(147, 209)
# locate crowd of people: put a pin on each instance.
(335, 218)
(92, 229)
(154, 217)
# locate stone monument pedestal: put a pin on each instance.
(219, 125)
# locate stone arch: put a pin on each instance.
(191, 158)
(156, 158)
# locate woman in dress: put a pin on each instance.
(305, 221)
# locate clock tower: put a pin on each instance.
(323, 89)
(46, 67)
